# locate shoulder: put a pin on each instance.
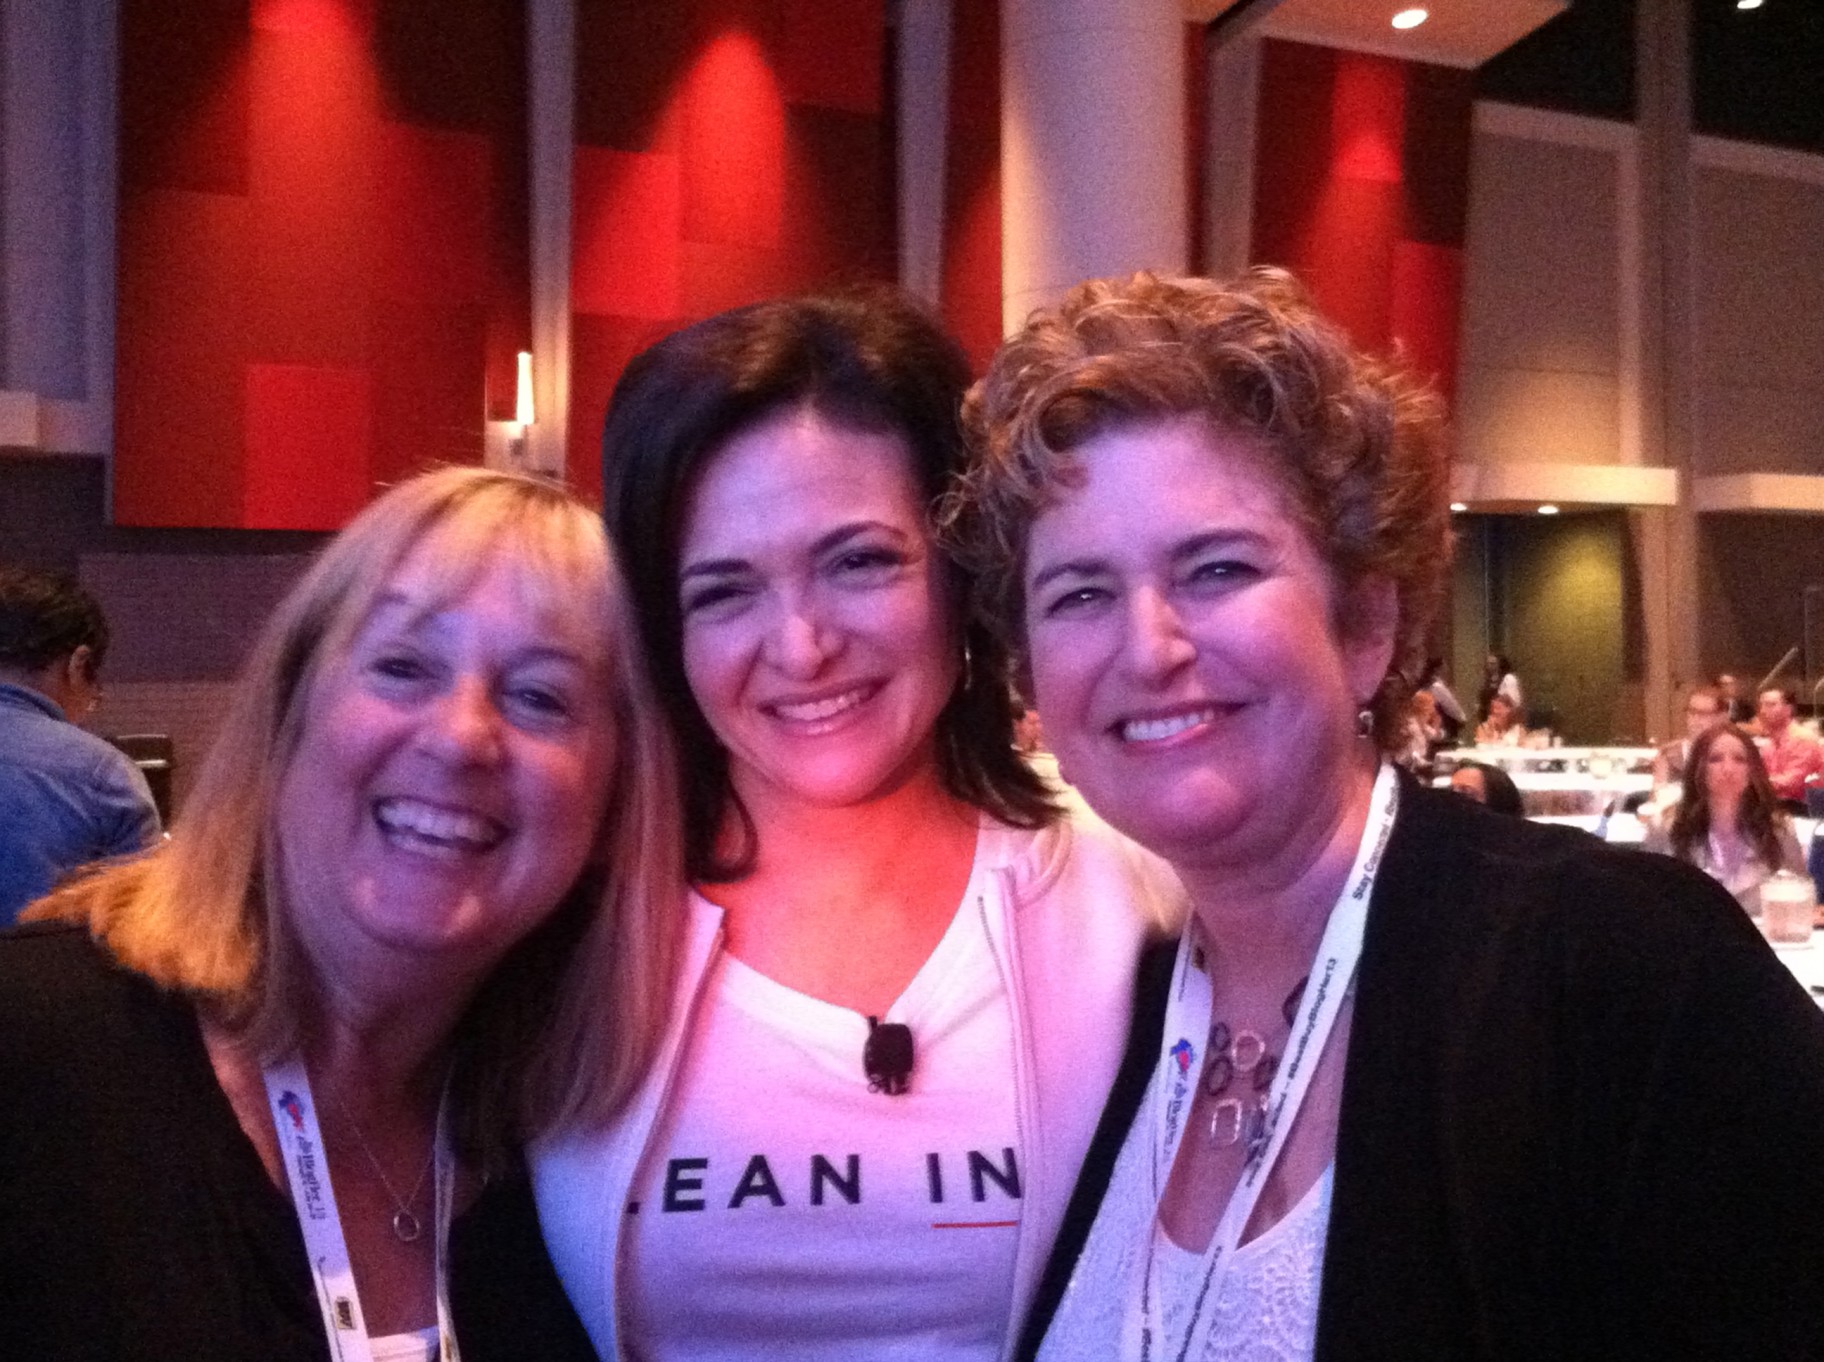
(1484, 901)
(1080, 860)
(60, 989)
(1442, 833)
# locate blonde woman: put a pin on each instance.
(263, 1089)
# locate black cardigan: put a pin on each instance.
(136, 1219)
(1582, 1113)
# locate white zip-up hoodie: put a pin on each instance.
(1066, 920)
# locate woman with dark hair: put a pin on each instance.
(1417, 1081)
(892, 1035)
(1499, 679)
(1488, 785)
(1728, 823)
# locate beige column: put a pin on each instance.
(551, 136)
(1092, 144)
(1666, 540)
(923, 101)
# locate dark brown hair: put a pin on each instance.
(1759, 818)
(1353, 442)
(46, 616)
(870, 361)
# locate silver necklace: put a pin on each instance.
(406, 1226)
(1234, 1052)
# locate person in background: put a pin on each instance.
(1499, 678)
(1736, 707)
(1488, 785)
(262, 1090)
(1417, 1081)
(1503, 725)
(1450, 709)
(1424, 735)
(1729, 823)
(66, 796)
(895, 1026)
(1792, 755)
(1703, 711)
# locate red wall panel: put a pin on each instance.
(627, 218)
(432, 193)
(351, 297)
(834, 54)
(1361, 187)
(183, 95)
(971, 292)
(599, 348)
(1426, 309)
(428, 373)
(728, 151)
(310, 434)
(182, 319)
(734, 143)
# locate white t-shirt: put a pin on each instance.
(786, 1211)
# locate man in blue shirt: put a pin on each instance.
(66, 797)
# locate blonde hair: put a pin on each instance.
(563, 1029)
(1353, 442)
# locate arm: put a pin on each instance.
(125, 816)
(1792, 856)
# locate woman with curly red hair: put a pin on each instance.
(1417, 1081)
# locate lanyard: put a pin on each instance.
(294, 1115)
(1187, 1024)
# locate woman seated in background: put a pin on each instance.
(1728, 822)
(1503, 725)
(262, 1089)
(1424, 734)
(908, 977)
(1418, 1081)
(1488, 785)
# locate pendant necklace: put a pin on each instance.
(1239, 1053)
(406, 1226)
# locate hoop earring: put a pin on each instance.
(1364, 722)
(968, 667)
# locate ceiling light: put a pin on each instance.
(1747, 4)
(1412, 18)
(1459, 506)
(1548, 509)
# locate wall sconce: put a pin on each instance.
(508, 444)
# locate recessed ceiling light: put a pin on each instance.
(1412, 18)
(1747, 4)
(1548, 509)
(1459, 506)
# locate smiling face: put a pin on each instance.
(1184, 653)
(817, 638)
(452, 771)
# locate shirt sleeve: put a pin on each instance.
(126, 818)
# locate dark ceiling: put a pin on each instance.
(1757, 75)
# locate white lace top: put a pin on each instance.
(1266, 1310)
